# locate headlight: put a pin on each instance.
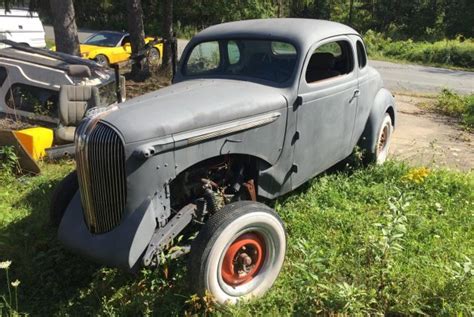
(84, 55)
(99, 111)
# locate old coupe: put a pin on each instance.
(257, 108)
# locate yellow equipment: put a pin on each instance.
(35, 141)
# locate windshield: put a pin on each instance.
(261, 59)
(104, 39)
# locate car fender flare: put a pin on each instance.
(383, 103)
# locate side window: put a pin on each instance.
(330, 60)
(204, 58)
(233, 52)
(125, 41)
(281, 48)
(3, 75)
(361, 54)
(32, 99)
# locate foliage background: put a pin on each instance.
(398, 19)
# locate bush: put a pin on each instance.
(458, 52)
(452, 104)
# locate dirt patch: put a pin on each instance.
(424, 137)
(155, 82)
(7, 123)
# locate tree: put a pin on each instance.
(65, 29)
(168, 36)
(137, 37)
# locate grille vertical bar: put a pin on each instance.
(101, 169)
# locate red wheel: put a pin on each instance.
(238, 253)
(244, 259)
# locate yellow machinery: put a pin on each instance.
(35, 141)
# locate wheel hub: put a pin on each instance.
(383, 139)
(243, 259)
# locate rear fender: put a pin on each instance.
(384, 103)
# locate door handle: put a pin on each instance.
(355, 95)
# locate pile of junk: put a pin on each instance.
(49, 93)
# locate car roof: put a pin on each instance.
(302, 32)
(111, 32)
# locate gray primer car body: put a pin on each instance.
(294, 130)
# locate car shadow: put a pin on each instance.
(55, 281)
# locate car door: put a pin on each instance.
(368, 86)
(325, 119)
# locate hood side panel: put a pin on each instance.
(192, 105)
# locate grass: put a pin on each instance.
(457, 53)
(390, 240)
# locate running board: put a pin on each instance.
(163, 236)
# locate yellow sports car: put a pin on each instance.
(110, 47)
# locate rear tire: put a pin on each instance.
(375, 149)
(384, 139)
(154, 57)
(239, 252)
(62, 195)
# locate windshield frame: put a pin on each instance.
(122, 35)
(193, 44)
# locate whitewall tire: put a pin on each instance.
(239, 252)
(384, 139)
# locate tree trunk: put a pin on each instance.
(280, 8)
(351, 11)
(137, 38)
(65, 29)
(168, 37)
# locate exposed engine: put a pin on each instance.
(215, 182)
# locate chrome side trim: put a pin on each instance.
(186, 138)
(200, 135)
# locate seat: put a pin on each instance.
(321, 66)
(74, 101)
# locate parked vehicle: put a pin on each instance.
(108, 47)
(257, 108)
(22, 26)
(53, 88)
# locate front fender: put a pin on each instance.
(122, 247)
(383, 103)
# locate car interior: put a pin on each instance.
(330, 60)
(267, 60)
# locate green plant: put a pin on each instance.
(455, 105)
(12, 309)
(9, 159)
(388, 244)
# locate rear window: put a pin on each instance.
(39, 101)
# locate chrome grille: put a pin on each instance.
(101, 169)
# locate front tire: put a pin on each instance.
(62, 195)
(239, 252)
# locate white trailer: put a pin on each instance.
(22, 27)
